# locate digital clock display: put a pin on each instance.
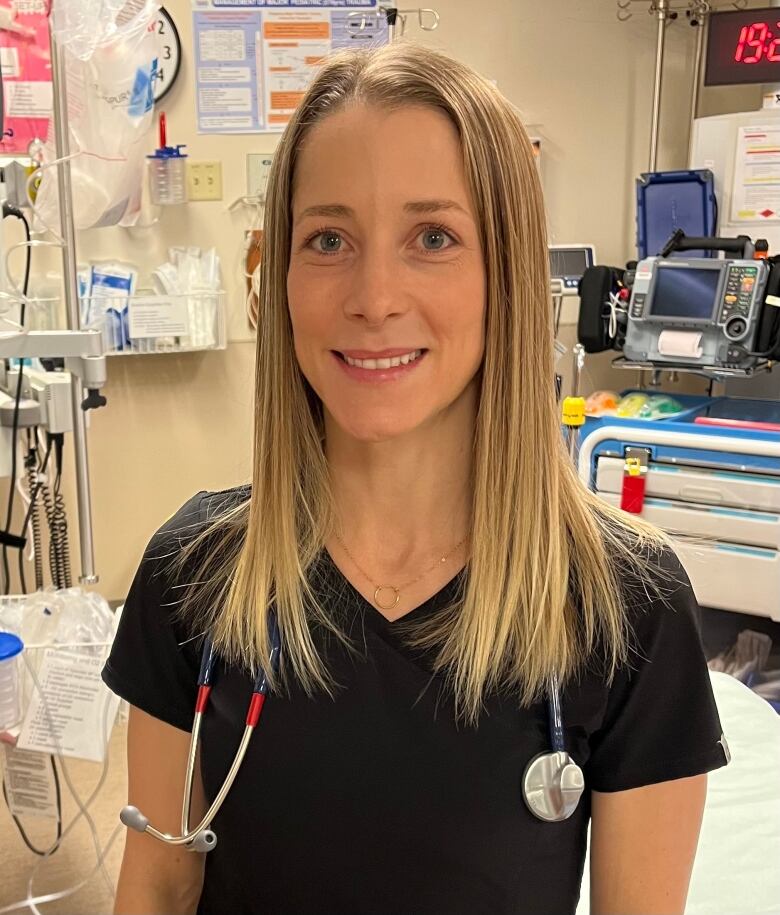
(743, 47)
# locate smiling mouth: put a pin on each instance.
(383, 363)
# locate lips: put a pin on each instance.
(374, 367)
(382, 361)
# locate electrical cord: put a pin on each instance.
(35, 480)
(9, 210)
(25, 838)
(56, 514)
(38, 486)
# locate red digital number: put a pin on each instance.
(772, 52)
(741, 44)
(753, 37)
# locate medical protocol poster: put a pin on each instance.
(254, 60)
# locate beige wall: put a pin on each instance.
(583, 80)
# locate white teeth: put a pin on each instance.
(394, 362)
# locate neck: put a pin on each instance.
(408, 497)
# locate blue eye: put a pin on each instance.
(329, 242)
(435, 239)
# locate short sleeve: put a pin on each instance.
(153, 662)
(660, 722)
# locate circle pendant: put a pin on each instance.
(386, 606)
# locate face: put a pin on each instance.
(386, 284)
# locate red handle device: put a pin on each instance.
(632, 495)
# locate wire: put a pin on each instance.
(13, 211)
(25, 838)
(57, 517)
(34, 517)
(32, 901)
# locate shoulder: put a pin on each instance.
(655, 720)
(187, 523)
(657, 592)
(196, 514)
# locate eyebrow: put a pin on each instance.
(339, 211)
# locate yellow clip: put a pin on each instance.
(573, 413)
(633, 467)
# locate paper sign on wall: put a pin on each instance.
(26, 68)
(755, 195)
(157, 316)
(255, 60)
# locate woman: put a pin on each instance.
(428, 552)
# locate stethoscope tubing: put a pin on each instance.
(554, 715)
(201, 838)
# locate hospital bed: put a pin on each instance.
(736, 867)
(715, 488)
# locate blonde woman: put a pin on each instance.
(428, 552)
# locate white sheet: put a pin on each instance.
(737, 866)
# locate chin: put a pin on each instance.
(373, 429)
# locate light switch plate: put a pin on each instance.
(204, 180)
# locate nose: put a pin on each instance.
(376, 293)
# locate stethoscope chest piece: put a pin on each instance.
(552, 786)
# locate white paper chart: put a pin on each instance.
(255, 60)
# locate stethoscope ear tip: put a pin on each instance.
(133, 819)
(204, 841)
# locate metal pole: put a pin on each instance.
(696, 82)
(69, 269)
(661, 14)
(392, 22)
(578, 362)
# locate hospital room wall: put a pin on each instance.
(176, 424)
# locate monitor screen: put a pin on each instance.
(684, 292)
(568, 261)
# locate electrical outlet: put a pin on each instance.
(204, 180)
(258, 165)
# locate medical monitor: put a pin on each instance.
(685, 293)
(568, 263)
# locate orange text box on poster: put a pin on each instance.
(285, 99)
(299, 30)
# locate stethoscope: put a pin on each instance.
(552, 783)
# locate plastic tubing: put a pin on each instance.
(31, 901)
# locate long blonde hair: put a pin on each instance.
(542, 589)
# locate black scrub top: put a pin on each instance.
(377, 801)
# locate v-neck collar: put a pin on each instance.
(371, 614)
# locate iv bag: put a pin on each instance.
(111, 64)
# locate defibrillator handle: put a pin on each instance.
(742, 245)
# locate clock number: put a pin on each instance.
(772, 53)
(741, 44)
(167, 52)
(752, 37)
(160, 26)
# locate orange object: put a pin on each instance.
(254, 255)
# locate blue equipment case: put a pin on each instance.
(667, 201)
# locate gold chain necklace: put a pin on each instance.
(378, 589)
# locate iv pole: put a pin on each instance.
(662, 13)
(69, 269)
(427, 19)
